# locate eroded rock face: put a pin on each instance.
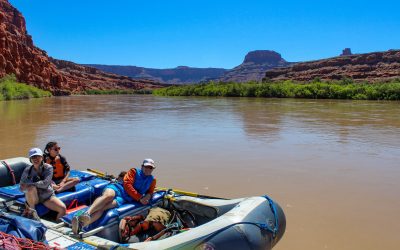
(346, 52)
(254, 66)
(31, 65)
(82, 78)
(178, 75)
(19, 56)
(375, 66)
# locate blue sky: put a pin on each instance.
(203, 33)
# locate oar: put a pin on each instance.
(182, 192)
(101, 174)
(177, 191)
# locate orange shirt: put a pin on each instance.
(129, 179)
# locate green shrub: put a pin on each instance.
(316, 89)
(10, 89)
(117, 92)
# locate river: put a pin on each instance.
(332, 165)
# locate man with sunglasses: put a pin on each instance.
(137, 185)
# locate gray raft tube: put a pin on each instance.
(10, 167)
(245, 223)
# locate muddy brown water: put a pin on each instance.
(332, 165)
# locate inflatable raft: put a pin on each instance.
(214, 223)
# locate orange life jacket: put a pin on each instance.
(58, 167)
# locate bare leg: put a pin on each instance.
(31, 196)
(96, 215)
(71, 182)
(57, 205)
(101, 204)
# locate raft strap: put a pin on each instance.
(11, 172)
(273, 208)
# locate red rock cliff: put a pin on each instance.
(31, 65)
(19, 56)
(376, 66)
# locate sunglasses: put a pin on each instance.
(150, 167)
(56, 148)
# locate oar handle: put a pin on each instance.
(182, 192)
(96, 172)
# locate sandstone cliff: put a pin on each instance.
(178, 75)
(254, 66)
(31, 65)
(83, 77)
(377, 66)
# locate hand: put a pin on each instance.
(145, 199)
(55, 186)
(23, 186)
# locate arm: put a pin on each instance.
(129, 179)
(65, 178)
(152, 187)
(47, 177)
(24, 176)
(145, 199)
(24, 179)
(66, 168)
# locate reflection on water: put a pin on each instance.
(332, 165)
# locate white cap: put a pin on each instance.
(35, 151)
(148, 162)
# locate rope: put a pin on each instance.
(11, 172)
(8, 241)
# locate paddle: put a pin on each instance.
(101, 174)
(177, 191)
(182, 192)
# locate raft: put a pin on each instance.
(217, 223)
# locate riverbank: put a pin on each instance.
(117, 92)
(11, 89)
(345, 89)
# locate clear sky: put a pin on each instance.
(203, 33)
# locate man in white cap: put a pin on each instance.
(137, 185)
(36, 184)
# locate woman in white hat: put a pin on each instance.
(36, 184)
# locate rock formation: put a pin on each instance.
(375, 66)
(254, 66)
(346, 52)
(83, 77)
(178, 75)
(31, 65)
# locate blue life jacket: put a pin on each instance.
(141, 184)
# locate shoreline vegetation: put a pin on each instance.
(117, 92)
(11, 89)
(316, 89)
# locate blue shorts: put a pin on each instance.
(119, 193)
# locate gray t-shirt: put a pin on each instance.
(41, 180)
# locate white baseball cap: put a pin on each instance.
(35, 151)
(148, 162)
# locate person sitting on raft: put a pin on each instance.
(137, 185)
(61, 168)
(36, 184)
